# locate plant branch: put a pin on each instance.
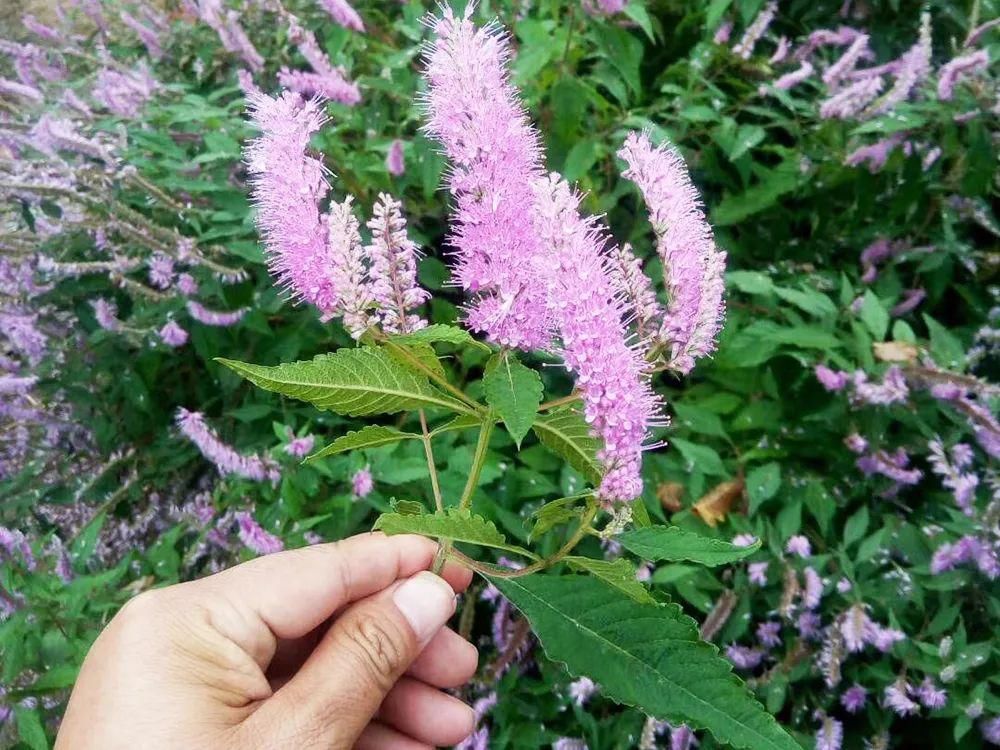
(431, 468)
(562, 401)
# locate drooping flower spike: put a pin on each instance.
(692, 264)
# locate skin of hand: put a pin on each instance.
(333, 646)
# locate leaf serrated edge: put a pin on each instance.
(337, 445)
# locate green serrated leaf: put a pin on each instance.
(643, 655)
(353, 382)
(565, 433)
(461, 422)
(556, 512)
(514, 391)
(370, 436)
(619, 573)
(420, 351)
(454, 524)
(440, 333)
(671, 543)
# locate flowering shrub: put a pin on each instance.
(492, 291)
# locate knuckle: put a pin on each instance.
(141, 608)
(378, 646)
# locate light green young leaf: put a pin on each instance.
(353, 382)
(874, 315)
(556, 512)
(461, 422)
(369, 436)
(420, 351)
(515, 391)
(454, 524)
(673, 544)
(564, 432)
(643, 655)
(763, 483)
(439, 332)
(619, 573)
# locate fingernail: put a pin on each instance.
(426, 602)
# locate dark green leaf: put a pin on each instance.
(673, 544)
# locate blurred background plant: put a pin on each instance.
(847, 152)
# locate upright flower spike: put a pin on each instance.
(287, 186)
(692, 264)
(393, 269)
(349, 272)
(473, 110)
(587, 313)
(342, 13)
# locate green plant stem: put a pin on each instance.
(482, 446)
(431, 468)
(477, 407)
(486, 569)
(562, 401)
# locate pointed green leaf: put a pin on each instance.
(643, 655)
(423, 353)
(353, 382)
(370, 436)
(674, 544)
(564, 432)
(454, 524)
(443, 333)
(619, 573)
(30, 729)
(556, 512)
(515, 391)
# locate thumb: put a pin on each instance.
(340, 687)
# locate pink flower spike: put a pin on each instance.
(393, 270)
(254, 537)
(394, 163)
(692, 264)
(217, 318)
(347, 268)
(192, 425)
(173, 335)
(362, 483)
(342, 12)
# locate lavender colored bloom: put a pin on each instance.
(581, 690)
(256, 538)
(192, 425)
(769, 634)
(106, 314)
(173, 335)
(847, 62)
(299, 446)
(636, 290)
(23, 91)
(891, 465)
(149, 37)
(744, 658)
(216, 318)
(473, 110)
(844, 585)
(161, 271)
(830, 735)
(849, 102)
(618, 402)
(41, 30)
(723, 32)
(976, 34)
(569, 743)
(757, 573)
(644, 573)
(930, 695)
(125, 93)
(913, 67)
(808, 625)
(50, 135)
(855, 443)
(393, 271)
(781, 51)
(12, 384)
(330, 84)
(990, 730)
(798, 545)
(744, 48)
(794, 78)
(682, 738)
(812, 593)
(15, 544)
(956, 69)
(187, 285)
(854, 699)
(892, 389)
(876, 155)
(911, 300)
(832, 380)
(961, 484)
(342, 13)
(896, 697)
(744, 540)
(692, 264)
(394, 163)
(362, 483)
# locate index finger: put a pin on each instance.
(295, 591)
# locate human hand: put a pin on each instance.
(332, 646)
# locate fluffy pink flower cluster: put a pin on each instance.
(692, 264)
(319, 258)
(193, 426)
